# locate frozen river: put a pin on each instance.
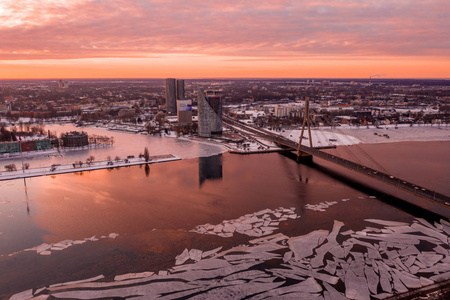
(217, 226)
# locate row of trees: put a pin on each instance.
(12, 167)
(79, 164)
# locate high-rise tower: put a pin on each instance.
(171, 99)
(180, 89)
(209, 113)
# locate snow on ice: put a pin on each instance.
(261, 223)
(375, 262)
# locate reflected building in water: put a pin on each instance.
(209, 168)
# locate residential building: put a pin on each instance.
(209, 114)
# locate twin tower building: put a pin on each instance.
(209, 108)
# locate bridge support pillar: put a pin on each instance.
(304, 158)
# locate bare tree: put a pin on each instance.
(90, 160)
(26, 166)
(10, 167)
(146, 154)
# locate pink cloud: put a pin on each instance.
(63, 29)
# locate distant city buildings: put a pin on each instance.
(62, 84)
(5, 107)
(209, 113)
(127, 113)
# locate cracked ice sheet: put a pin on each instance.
(133, 276)
(182, 258)
(431, 232)
(317, 261)
(386, 223)
(150, 287)
(356, 287)
(303, 246)
(238, 291)
(150, 290)
(299, 268)
(79, 281)
(262, 246)
(307, 288)
(187, 293)
(429, 259)
(204, 264)
(257, 224)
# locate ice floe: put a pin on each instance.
(339, 263)
(46, 249)
(322, 206)
(261, 223)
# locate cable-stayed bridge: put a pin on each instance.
(439, 199)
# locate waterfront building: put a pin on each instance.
(12, 147)
(42, 144)
(209, 114)
(27, 146)
(75, 139)
(171, 96)
(180, 89)
(9, 147)
(184, 112)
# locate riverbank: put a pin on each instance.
(62, 169)
(351, 135)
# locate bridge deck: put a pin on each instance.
(404, 185)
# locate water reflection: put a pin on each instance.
(147, 170)
(209, 168)
(26, 196)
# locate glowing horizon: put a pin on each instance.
(44, 39)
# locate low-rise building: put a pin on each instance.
(75, 139)
(184, 112)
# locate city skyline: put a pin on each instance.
(276, 39)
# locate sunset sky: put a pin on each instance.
(218, 38)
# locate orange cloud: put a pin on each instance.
(62, 35)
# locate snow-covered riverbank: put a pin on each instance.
(61, 169)
(350, 135)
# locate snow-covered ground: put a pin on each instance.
(403, 133)
(350, 135)
(320, 137)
